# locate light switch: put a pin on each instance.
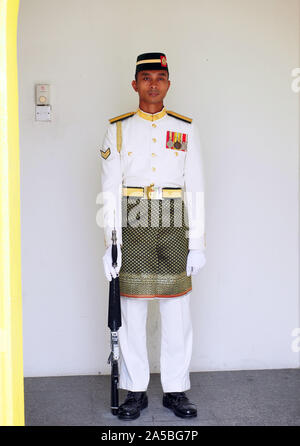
(42, 102)
(42, 94)
(43, 112)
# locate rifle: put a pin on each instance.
(114, 323)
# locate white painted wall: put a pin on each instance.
(230, 64)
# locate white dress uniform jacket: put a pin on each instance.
(145, 158)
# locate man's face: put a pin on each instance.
(151, 86)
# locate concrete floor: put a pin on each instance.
(247, 398)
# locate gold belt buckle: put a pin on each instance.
(153, 192)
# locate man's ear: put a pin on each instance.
(133, 83)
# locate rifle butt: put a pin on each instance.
(114, 388)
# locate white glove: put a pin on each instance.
(109, 270)
(195, 261)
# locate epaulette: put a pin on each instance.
(121, 117)
(181, 117)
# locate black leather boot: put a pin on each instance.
(180, 404)
(132, 406)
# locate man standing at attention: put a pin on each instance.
(152, 173)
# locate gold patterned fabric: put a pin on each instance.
(154, 248)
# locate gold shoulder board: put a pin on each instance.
(121, 117)
(178, 116)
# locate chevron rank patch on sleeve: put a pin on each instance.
(105, 154)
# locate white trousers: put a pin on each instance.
(176, 344)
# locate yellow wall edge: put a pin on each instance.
(11, 342)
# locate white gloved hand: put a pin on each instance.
(195, 261)
(109, 270)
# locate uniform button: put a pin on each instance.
(153, 154)
(154, 125)
(154, 139)
(176, 153)
(154, 169)
(129, 153)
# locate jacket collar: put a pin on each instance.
(151, 117)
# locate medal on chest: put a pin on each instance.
(177, 141)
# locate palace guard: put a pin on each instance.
(152, 179)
